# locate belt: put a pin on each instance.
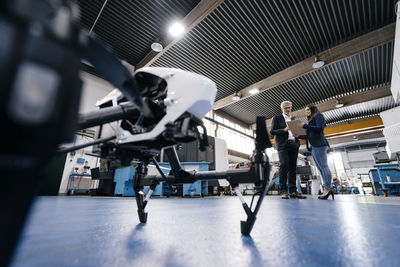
(290, 141)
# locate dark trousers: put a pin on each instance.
(287, 168)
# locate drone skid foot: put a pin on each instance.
(141, 204)
(142, 216)
(247, 226)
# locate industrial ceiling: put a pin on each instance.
(264, 44)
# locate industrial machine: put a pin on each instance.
(381, 157)
(385, 179)
(41, 48)
(216, 156)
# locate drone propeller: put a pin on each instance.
(111, 69)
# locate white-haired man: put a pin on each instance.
(288, 149)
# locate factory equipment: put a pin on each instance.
(381, 157)
(386, 179)
(79, 182)
(216, 156)
(105, 185)
(366, 183)
(307, 175)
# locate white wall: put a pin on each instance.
(395, 83)
(93, 89)
(391, 131)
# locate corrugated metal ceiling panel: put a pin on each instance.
(130, 27)
(358, 73)
(243, 42)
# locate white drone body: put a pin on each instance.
(187, 92)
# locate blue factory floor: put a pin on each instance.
(93, 231)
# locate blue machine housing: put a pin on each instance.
(198, 188)
(123, 179)
(120, 177)
(386, 178)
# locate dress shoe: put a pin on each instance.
(297, 195)
(285, 196)
(326, 194)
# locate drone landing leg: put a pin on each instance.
(141, 199)
(141, 202)
(247, 226)
(262, 168)
(261, 164)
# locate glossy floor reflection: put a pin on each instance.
(88, 231)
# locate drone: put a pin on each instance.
(151, 109)
(177, 101)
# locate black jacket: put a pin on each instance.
(315, 131)
(281, 137)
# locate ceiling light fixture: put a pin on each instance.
(236, 96)
(338, 104)
(318, 63)
(254, 91)
(355, 138)
(157, 47)
(176, 29)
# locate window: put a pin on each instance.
(234, 140)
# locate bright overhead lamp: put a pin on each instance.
(176, 29)
(236, 96)
(355, 138)
(338, 104)
(318, 63)
(157, 47)
(254, 91)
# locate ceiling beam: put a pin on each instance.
(358, 127)
(350, 121)
(363, 129)
(353, 128)
(357, 133)
(330, 56)
(333, 142)
(198, 13)
(348, 100)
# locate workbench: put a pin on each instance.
(71, 187)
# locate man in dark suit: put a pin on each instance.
(288, 148)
